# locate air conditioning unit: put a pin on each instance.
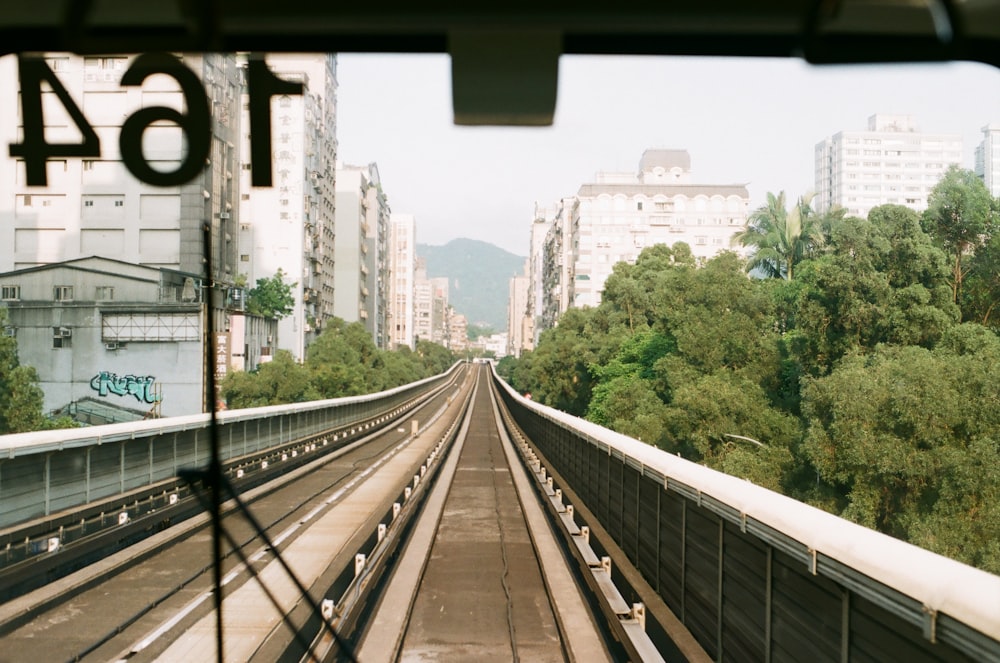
(65, 332)
(113, 345)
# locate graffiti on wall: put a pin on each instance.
(141, 387)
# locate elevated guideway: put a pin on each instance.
(753, 575)
(707, 562)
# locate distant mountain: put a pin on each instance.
(479, 276)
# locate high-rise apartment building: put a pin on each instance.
(362, 220)
(988, 159)
(620, 214)
(518, 318)
(439, 310)
(402, 271)
(290, 225)
(557, 263)
(891, 161)
(423, 303)
(540, 225)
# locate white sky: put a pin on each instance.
(753, 121)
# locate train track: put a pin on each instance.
(424, 539)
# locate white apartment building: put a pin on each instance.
(518, 316)
(290, 225)
(458, 331)
(988, 159)
(891, 161)
(402, 271)
(557, 261)
(423, 303)
(361, 271)
(377, 259)
(620, 214)
(544, 217)
(439, 310)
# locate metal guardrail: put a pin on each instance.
(45, 473)
(755, 575)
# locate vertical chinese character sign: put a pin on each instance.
(221, 361)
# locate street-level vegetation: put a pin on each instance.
(342, 361)
(863, 378)
(21, 397)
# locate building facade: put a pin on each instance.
(518, 315)
(540, 225)
(988, 159)
(96, 206)
(290, 225)
(402, 271)
(557, 260)
(891, 161)
(377, 259)
(362, 220)
(126, 337)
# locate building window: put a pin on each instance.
(62, 337)
(88, 164)
(701, 240)
(88, 203)
(104, 293)
(62, 293)
(638, 205)
(11, 292)
(244, 196)
(119, 203)
(244, 257)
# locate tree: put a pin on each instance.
(982, 287)
(279, 381)
(961, 216)
(625, 293)
(901, 430)
(433, 357)
(560, 375)
(782, 238)
(340, 359)
(21, 399)
(271, 298)
(705, 415)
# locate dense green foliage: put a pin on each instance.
(342, 361)
(21, 399)
(864, 378)
(271, 298)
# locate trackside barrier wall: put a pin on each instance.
(46, 472)
(757, 576)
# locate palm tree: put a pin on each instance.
(782, 238)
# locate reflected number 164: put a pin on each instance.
(196, 123)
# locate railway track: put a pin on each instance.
(424, 539)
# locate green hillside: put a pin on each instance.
(479, 276)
